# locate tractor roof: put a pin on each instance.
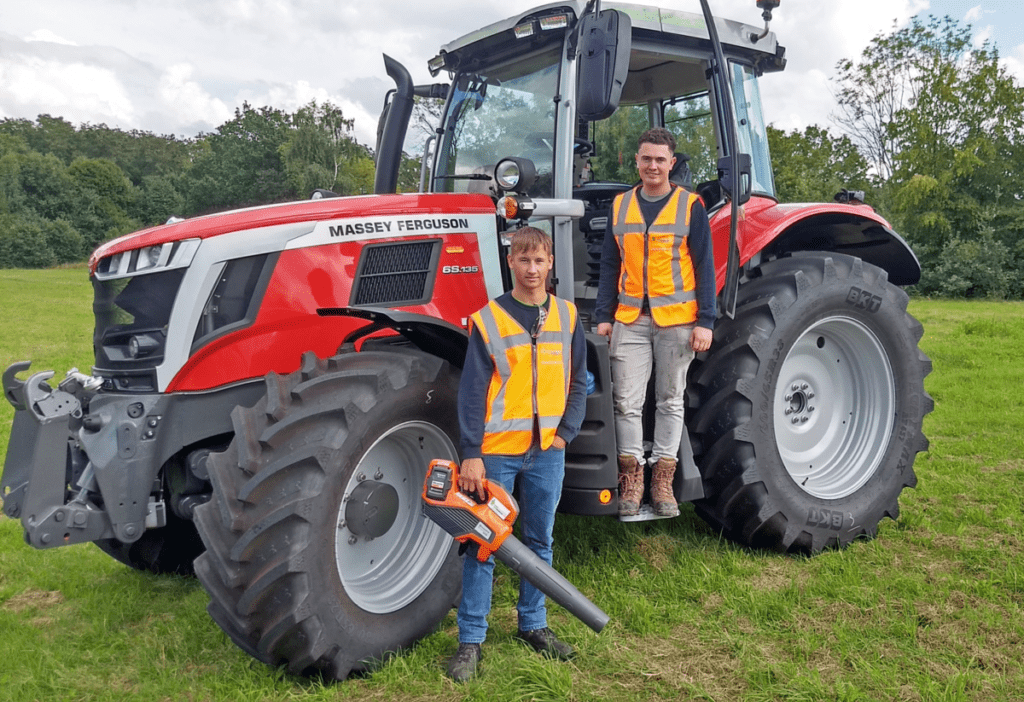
(498, 39)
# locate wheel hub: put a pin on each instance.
(799, 399)
(371, 509)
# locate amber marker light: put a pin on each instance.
(605, 497)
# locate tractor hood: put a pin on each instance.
(311, 211)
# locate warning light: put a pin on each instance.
(605, 497)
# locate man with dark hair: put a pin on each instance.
(521, 400)
(657, 260)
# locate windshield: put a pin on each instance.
(498, 112)
(751, 132)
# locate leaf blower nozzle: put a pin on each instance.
(488, 524)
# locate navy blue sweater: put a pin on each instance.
(478, 370)
(699, 241)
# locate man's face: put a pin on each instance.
(654, 161)
(530, 269)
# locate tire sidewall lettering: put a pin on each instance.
(790, 296)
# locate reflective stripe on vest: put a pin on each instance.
(655, 260)
(530, 379)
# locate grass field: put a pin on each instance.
(930, 610)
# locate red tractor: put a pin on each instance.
(271, 384)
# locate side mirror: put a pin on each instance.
(738, 185)
(605, 42)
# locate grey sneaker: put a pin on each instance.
(462, 665)
(544, 641)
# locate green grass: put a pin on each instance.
(929, 610)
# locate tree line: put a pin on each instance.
(929, 126)
(933, 131)
(65, 190)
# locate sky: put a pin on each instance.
(183, 67)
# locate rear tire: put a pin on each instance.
(295, 573)
(811, 406)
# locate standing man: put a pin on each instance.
(657, 259)
(521, 400)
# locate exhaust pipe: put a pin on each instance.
(395, 119)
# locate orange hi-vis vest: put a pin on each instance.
(531, 376)
(655, 260)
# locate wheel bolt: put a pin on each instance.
(352, 540)
(796, 420)
(803, 419)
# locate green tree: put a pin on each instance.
(320, 152)
(240, 164)
(940, 121)
(103, 196)
(813, 165)
(158, 200)
(615, 144)
(45, 185)
(139, 154)
(30, 241)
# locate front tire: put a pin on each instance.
(318, 555)
(811, 406)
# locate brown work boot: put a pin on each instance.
(664, 499)
(631, 486)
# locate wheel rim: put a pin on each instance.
(835, 406)
(386, 573)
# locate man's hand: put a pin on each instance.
(604, 329)
(558, 443)
(700, 339)
(471, 477)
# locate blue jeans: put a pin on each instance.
(540, 476)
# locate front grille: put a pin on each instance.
(396, 274)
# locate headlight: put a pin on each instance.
(141, 345)
(148, 259)
(515, 174)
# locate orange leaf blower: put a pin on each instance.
(488, 524)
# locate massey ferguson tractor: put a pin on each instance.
(271, 384)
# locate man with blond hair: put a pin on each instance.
(522, 398)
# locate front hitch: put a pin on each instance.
(35, 477)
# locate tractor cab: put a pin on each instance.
(544, 110)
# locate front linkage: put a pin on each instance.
(80, 465)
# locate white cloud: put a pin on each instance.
(973, 14)
(189, 100)
(48, 36)
(982, 35)
(185, 66)
(1014, 63)
(76, 91)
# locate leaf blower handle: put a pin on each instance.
(489, 525)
